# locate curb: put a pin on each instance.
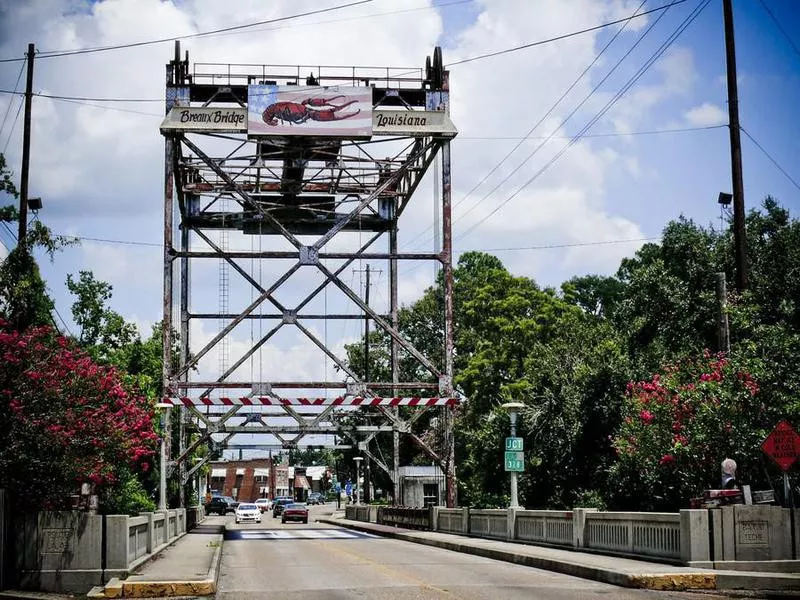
(661, 581)
(131, 588)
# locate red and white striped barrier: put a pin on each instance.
(340, 401)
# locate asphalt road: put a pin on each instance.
(319, 561)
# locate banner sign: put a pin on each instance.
(412, 122)
(333, 111)
(186, 118)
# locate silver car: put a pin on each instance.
(246, 512)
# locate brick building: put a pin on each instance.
(247, 480)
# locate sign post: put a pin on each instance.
(782, 445)
(514, 458)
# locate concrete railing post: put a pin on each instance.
(465, 520)
(579, 526)
(150, 531)
(511, 522)
(117, 542)
(694, 536)
(434, 518)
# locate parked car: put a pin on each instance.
(263, 504)
(295, 512)
(248, 512)
(315, 498)
(278, 505)
(220, 505)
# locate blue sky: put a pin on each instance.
(99, 170)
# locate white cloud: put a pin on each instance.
(706, 114)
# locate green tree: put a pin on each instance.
(24, 301)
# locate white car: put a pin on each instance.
(248, 512)
(264, 504)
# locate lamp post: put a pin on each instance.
(358, 460)
(164, 408)
(513, 409)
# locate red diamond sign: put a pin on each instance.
(783, 445)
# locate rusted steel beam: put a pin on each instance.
(447, 266)
(305, 384)
(322, 255)
(393, 332)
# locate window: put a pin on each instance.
(430, 493)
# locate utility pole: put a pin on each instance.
(739, 234)
(26, 152)
(723, 333)
(366, 331)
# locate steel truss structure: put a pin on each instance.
(292, 189)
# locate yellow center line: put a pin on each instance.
(386, 570)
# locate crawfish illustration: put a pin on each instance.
(314, 109)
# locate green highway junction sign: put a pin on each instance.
(514, 444)
(515, 461)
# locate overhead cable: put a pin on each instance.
(653, 58)
(769, 156)
(561, 37)
(540, 121)
(780, 28)
(566, 119)
(57, 53)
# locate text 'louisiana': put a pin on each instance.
(397, 120)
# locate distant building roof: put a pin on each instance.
(316, 472)
(421, 471)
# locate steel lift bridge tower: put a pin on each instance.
(320, 163)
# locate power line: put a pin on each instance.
(769, 156)
(16, 86)
(57, 53)
(13, 125)
(653, 58)
(572, 113)
(114, 108)
(596, 135)
(84, 99)
(540, 121)
(80, 238)
(562, 37)
(573, 245)
(780, 28)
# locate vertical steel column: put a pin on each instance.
(447, 266)
(184, 354)
(166, 325)
(393, 303)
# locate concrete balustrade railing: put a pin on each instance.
(74, 551)
(690, 537)
(656, 535)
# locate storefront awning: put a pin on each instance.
(240, 471)
(261, 472)
(300, 481)
(218, 472)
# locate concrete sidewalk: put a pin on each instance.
(188, 567)
(623, 572)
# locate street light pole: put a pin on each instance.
(162, 485)
(513, 408)
(358, 460)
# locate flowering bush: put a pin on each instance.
(679, 426)
(65, 421)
